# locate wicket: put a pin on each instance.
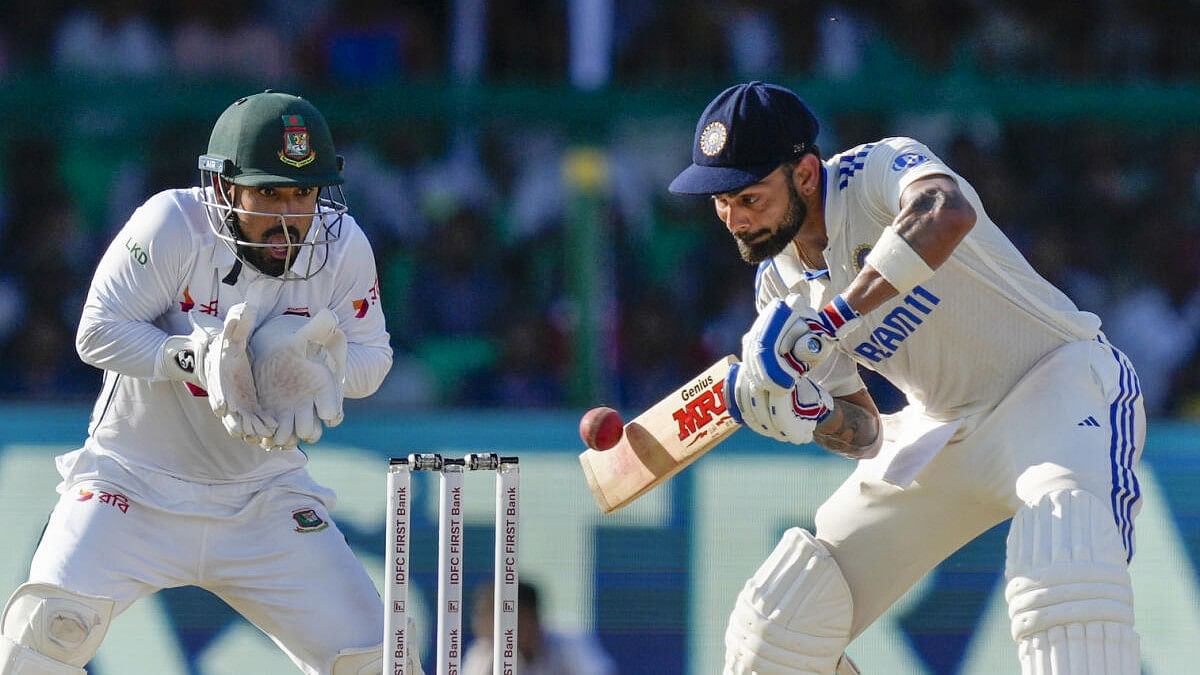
(450, 559)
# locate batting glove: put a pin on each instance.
(787, 340)
(789, 415)
(300, 368)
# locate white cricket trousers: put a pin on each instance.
(279, 560)
(1075, 421)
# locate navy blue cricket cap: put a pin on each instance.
(744, 134)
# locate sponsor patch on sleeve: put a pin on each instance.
(908, 160)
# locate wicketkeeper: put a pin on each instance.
(230, 319)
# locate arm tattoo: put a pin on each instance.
(927, 200)
(921, 208)
(851, 431)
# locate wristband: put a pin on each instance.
(834, 317)
(897, 262)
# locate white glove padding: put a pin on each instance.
(230, 382)
(783, 343)
(789, 415)
(300, 368)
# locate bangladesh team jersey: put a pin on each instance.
(166, 262)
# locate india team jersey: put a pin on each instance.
(956, 343)
(165, 262)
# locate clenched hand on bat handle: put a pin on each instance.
(788, 339)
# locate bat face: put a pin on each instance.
(660, 442)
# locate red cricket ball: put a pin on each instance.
(601, 428)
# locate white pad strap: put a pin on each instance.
(61, 625)
(1069, 593)
(793, 616)
(18, 659)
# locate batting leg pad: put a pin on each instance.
(51, 630)
(793, 616)
(1069, 593)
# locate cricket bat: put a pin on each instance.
(671, 434)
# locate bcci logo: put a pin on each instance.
(712, 139)
(307, 520)
(860, 256)
(296, 150)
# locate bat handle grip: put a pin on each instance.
(812, 349)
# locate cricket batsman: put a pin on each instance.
(1018, 407)
(230, 319)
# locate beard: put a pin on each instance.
(260, 256)
(754, 248)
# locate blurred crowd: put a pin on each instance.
(489, 280)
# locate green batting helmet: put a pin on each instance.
(273, 139)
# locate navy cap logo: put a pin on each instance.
(744, 134)
(712, 139)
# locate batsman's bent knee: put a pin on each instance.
(49, 630)
(1069, 593)
(793, 615)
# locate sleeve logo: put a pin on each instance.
(137, 252)
(908, 160)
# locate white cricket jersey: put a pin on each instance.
(956, 343)
(166, 261)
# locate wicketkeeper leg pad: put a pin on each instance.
(369, 660)
(366, 661)
(845, 666)
(1069, 593)
(794, 614)
(46, 629)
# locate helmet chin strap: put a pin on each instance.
(235, 271)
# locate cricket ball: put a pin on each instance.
(601, 428)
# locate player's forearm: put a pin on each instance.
(868, 291)
(850, 430)
(127, 347)
(933, 220)
(366, 366)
